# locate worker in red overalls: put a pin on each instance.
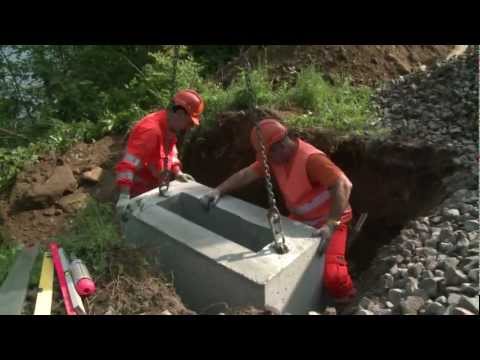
(315, 190)
(153, 139)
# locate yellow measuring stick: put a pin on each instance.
(43, 306)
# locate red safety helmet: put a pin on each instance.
(192, 102)
(272, 131)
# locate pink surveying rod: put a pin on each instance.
(61, 279)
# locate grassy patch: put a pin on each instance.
(8, 254)
(92, 236)
(339, 106)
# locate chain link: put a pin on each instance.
(166, 175)
(273, 213)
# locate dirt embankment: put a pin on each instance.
(364, 64)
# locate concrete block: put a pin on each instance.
(223, 258)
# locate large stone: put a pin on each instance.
(436, 219)
(394, 271)
(462, 246)
(471, 264)
(435, 308)
(431, 263)
(448, 262)
(43, 195)
(387, 281)
(460, 311)
(366, 303)
(416, 270)
(430, 287)
(474, 238)
(427, 274)
(411, 286)
(453, 299)
(432, 242)
(411, 305)
(421, 293)
(93, 175)
(403, 272)
(420, 227)
(446, 235)
(451, 213)
(454, 277)
(364, 312)
(381, 311)
(426, 251)
(469, 303)
(395, 296)
(442, 300)
(446, 248)
(469, 289)
(454, 289)
(330, 311)
(473, 275)
(471, 225)
(74, 202)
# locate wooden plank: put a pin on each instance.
(43, 306)
(14, 289)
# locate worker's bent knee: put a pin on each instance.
(337, 280)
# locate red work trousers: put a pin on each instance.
(336, 277)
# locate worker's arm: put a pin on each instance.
(340, 195)
(322, 171)
(236, 181)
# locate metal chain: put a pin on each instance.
(166, 175)
(273, 213)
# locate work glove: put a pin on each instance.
(122, 204)
(211, 199)
(184, 177)
(324, 233)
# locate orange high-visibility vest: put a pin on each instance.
(306, 203)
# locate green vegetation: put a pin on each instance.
(92, 236)
(85, 92)
(8, 254)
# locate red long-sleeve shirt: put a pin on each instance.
(149, 143)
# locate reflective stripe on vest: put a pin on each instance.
(125, 175)
(317, 201)
(132, 159)
(315, 222)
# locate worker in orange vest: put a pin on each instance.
(153, 139)
(315, 190)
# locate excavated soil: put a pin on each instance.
(28, 221)
(365, 64)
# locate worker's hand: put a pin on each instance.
(211, 199)
(122, 204)
(184, 177)
(324, 233)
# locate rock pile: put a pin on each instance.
(432, 267)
